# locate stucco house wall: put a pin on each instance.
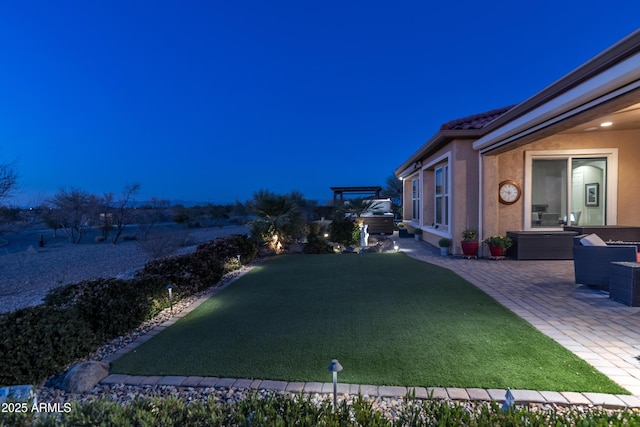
(463, 192)
(564, 120)
(498, 218)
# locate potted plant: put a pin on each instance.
(417, 233)
(498, 244)
(444, 244)
(402, 231)
(470, 242)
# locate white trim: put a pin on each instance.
(407, 173)
(442, 158)
(617, 80)
(437, 232)
(445, 156)
(611, 180)
(480, 201)
(419, 180)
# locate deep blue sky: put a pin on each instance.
(211, 101)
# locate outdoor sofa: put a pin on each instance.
(592, 259)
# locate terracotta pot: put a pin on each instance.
(496, 251)
(469, 248)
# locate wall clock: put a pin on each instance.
(509, 192)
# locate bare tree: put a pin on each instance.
(8, 180)
(121, 214)
(75, 211)
(148, 215)
(162, 243)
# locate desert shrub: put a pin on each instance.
(163, 243)
(197, 271)
(37, 342)
(315, 243)
(103, 302)
(345, 231)
(112, 307)
(188, 274)
(231, 246)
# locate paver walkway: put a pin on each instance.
(585, 321)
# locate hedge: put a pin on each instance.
(74, 320)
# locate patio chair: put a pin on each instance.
(592, 259)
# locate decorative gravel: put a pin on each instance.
(26, 277)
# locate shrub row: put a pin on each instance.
(37, 342)
(279, 410)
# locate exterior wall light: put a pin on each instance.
(335, 367)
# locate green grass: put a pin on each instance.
(389, 319)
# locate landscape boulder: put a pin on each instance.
(84, 376)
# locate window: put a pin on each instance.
(441, 195)
(415, 199)
(570, 188)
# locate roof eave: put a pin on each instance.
(436, 142)
(616, 54)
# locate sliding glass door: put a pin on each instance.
(567, 190)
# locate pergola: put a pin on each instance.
(338, 192)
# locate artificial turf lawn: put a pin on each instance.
(389, 319)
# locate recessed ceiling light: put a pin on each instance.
(606, 124)
(592, 128)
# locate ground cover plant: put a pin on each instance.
(389, 319)
(279, 410)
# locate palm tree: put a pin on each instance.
(279, 218)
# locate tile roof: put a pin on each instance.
(476, 121)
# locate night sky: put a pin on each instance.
(211, 101)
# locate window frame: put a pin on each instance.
(415, 198)
(611, 182)
(443, 196)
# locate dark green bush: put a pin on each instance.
(112, 307)
(315, 243)
(37, 342)
(188, 274)
(195, 272)
(345, 231)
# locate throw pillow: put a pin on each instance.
(592, 240)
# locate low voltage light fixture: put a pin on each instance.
(335, 367)
(170, 289)
(395, 246)
(605, 124)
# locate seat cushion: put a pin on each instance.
(592, 240)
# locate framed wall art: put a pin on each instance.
(592, 194)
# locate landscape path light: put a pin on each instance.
(170, 289)
(395, 246)
(335, 367)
